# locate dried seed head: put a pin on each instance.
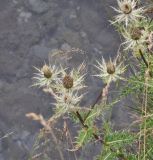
(46, 70)
(110, 68)
(126, 8)
(136, 33)
(68, 82)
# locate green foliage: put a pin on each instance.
(85, 135)
(119, 138)
(116, 144)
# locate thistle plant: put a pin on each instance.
(127, 12)
(136, 36)
(67, 87)
(47, 76)
(110, 71)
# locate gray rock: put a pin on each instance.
(0, 146)
(48, 22)
(15, 152)
(24, 16)
(70, 37)
(38, 6)
(4, 5)
(92, 23)
(24, 135)
(1, 157)
(121, 114)
(65, 47)
(40, 51)
(109, 38)
(83, 34)
(52, 43)
(73, 22)
(10, 66)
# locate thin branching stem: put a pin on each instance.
(143, 58)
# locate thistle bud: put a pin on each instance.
(67, 82)
(126, 8)
(136, 33)
(110, 68)
(46, 71)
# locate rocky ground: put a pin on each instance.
(29, 30)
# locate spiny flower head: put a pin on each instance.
(67, 82)
(135, 37)
(47, 76)
(47, 71)
(71, 80)
(109, 71)
(136, 33)
(110, 68)
(67, 99)
(126, 8)
(69, 87)
(127, 12)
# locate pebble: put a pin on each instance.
(38, 6)
(65, 47)
(83, 34)
(24, 135)
(40, 51)
(72, 21)
(24, 16)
